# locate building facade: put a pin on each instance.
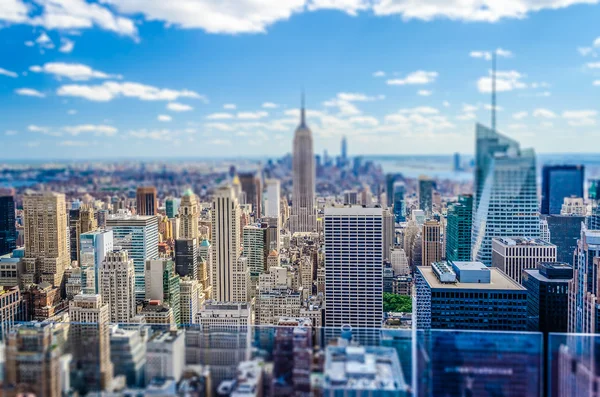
(512, 255)
(8, 230)
(117, 286)
(431, 242)
(560, 182)
(146, 201)
(458, 229)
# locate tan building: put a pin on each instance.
(10, 305)
(189, 214)
(432, 243)
(117, 286)
(46, 246)
(514, 254)
(146, 201)
(191, 298)
(89, 337)
(160, 315)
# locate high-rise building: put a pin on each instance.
(398, 193)
(252, 189)
(32, 361)
(255, 248)
(344, 150)
(191, 298)
(272, 198)
(172, 207)
(189, 214)
(186, 257)
(128, 354)
(139, 236)
(8, 230)
(431, 243)
(165, 355)
(81, 220)
(558, 183)
(505, 201)
(458, 229)
(547, 297)
(93, 248)
(565, 230)
(489, 299)
(225, 242)
(303, 217)
(146, 201)
(425, 188)
(163, 284)
(583, 288)
(399, 262)
(89, 338)
(117, 286)
(11, 309)
(46, 252)
(390, 179)
(354, 267)
(389, 233)
(513, 255)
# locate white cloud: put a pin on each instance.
(179, 107)
(99, 130)
(543, 113)
(596, 83)
(219, 126)
(73, 71)
(467, 108)
(503, 53)
(13, 11)
(418, 77)
(252, 115)
(37, 128)
(44, 41)
(10, 132)
(424, 92)
(580, 118)
(71, 112)
(505, 81)
(379, 73)
(593, 65)
(157, 135)
(585, 51)
(30, 92)
(366, 121)
(597, 42)
(29, 43)
(466, 116)
(111, 90)
(481, 54)
(519, 115)
(8, 73)
(220, 142)
(350, 7)
(481, 11)
(164, 117)
(72, 143)
(446, 104)
(220, 116)
(270, 105)
(66, 45)
(230, 106)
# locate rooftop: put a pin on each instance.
(523, 241)
(498, 281)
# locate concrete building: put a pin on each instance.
(159, 315)
(191, 298)
(513, 255)
(89, 338)
(251, 185)
(165, 355)
(139, 236)
(128, 354)
(354, 267)
(505, 201)
(146, 201)
(163, 284)
(93, 249)
(117, 286)
(189, 215)
(272, 198)
(573, 206)
(431, 243)
(46, 247)
(453, 295)
(303, 216)
(11, 309)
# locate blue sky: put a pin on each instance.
(205, 78)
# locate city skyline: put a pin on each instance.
(74, 90)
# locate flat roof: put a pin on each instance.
(498, 281)
(523, 242)
(470, 265)
(535, 273)
(355, 210)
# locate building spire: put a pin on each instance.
(302, 111)
(494, 91)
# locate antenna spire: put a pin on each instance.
(494, 91)
(302, 110)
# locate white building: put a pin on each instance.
(354, 267)
(117, 286)
(399, 262)
(272, 197)
(93, 247)
(165, 355)
(192, 299)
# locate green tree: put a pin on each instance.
(396, 303)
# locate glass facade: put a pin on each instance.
(8, 231)
(458, 229)
(399, 203)
(558, 182)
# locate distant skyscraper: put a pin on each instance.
(139, 236)
(171, 207)
(565, 230)
(390, 179)
(458, 229)
(89, 339)
(559, 182)
(303, 217)
(81, 220)
(344, 150)
(225, 242)
(8, 231)
(146, 201)
(117, 286)
(252, 188)
(46, 253)
(505, 201)
(456, 162)
(432, 243)
(93, 248)
(398, 193)
(189, 214)
(272, 199)
(354, 287)
(425, 187)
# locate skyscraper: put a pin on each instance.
(425, 187)
(432, 243)
(117, 286)
(458, 229)
(354, 267)
(93, 248)
(512, 255)
(163, 284)
(225, 242)
(252, 188)
(255, 248)
(398, 193)
(272, 199)
(171, 207)
(505, 202)
(139, 236)
(390, 179)
(558, 183)
(146, 201)
(344, 150)
(46, 252)
(8, 231)
(189, 214)
(303, 217)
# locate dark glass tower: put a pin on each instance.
(8, 231)
(460, 221)
(558, 182)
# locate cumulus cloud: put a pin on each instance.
(519, 115)
(98, 130)
(179, 107)
(580, 118)
(220, 116)
(487, 55)
(270, 105)
(424, 92)
(544, 113)
(379, 73)
(505, 81)
(252, 115)
(73, 71)
(230, 106)
(164, 117)
(30, 92)
(8, 73)
(593, 65)
(66, 45)
(418, 77)
(111, 90)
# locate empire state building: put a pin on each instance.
(303, 217)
